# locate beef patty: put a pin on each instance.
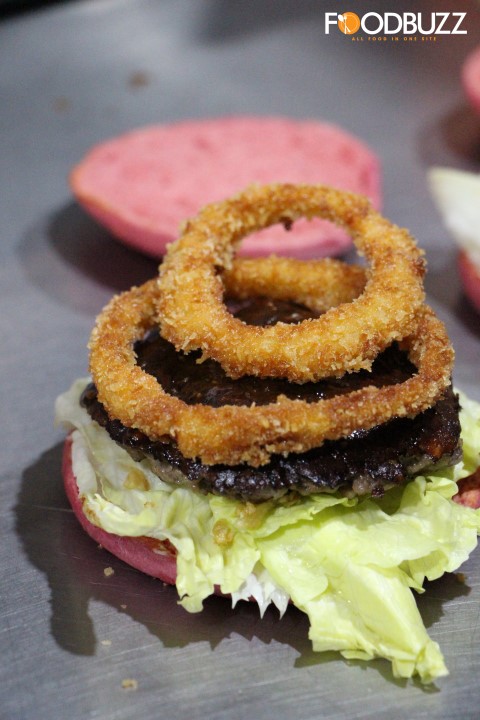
(366, 462)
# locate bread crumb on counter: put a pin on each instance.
(129, 684)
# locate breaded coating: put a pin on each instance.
(347, 338)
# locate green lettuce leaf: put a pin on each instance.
(349, 564)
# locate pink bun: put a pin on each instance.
(471, 78)
(144, 184)
(470, 277)
(150, 556)
(469, 491)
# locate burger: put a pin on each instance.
(344, 530)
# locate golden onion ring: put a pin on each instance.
(346, 338)
(290, 279)
(237, 434)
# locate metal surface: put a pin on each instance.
(71, 75)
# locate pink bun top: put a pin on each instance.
(144, 184)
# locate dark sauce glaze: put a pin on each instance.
(193, 382)
(364, 463)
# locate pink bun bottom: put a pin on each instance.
(470, 277)
(469, 491)
(150, 556)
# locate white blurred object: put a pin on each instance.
(457, 195)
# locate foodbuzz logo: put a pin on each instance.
(391, 25)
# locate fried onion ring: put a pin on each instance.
(346, 338)
(236, 434)
(290, 279)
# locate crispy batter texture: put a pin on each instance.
(346, 338)
(232, 434)
(295, 280)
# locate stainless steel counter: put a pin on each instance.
(71, 75)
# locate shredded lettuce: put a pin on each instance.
(349, 564)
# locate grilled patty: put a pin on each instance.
(366, 462)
